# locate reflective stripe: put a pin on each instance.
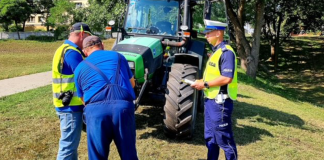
(57, 95)
(67, 82)
(63, 80)
(232, 149)
(215, 27)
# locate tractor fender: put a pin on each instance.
(196, 55)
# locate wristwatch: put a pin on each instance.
(206, 85)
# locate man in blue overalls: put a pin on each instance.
(105, 84)
(220, 89)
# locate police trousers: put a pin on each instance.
(218, 129)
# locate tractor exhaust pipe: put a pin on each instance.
(175, 44)
(185, 13)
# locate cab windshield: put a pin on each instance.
(157, 17)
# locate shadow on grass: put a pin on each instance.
(266, 115)
(152, 117)
(300, 70)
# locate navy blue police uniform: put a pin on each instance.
(218, 130)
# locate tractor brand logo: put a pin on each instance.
(154, 52)
(212, 64)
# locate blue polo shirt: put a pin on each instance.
(72, 59)
(89, 82)
(226, 64)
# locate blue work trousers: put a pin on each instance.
(71, 127)
(107, 121)
(218, 129)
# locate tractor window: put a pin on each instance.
(158, 17)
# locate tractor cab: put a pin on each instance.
(151, 17)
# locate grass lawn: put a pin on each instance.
(272, 118)
(266, 126)
(300, 69)
(23, 57)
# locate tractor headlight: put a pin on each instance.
(131, 65)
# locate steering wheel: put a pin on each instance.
(153, 30)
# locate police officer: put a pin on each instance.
(68, 106)
(220, 89)
(105, 83)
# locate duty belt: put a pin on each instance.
(225, 96)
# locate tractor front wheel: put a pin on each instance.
(181, 102)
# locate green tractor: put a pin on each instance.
(157, 39)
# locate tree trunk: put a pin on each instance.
(249, 56)
(17, 29)
(240, 12)
(253, 65)
(273, 51)
(6, 26)
(276, 41)
(276, 50)
(243, 47)
(24, 24)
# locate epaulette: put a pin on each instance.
(224, 49)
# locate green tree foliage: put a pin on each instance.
(61, 13)
(43, 7)
(15, 10)
(5, 23)
(284, 17)
(100, 12)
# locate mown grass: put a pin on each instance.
(266, 126)
(300, 70)
(271, 119)
(23, 57)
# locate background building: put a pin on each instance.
(37, 21)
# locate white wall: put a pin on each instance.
(23, 35)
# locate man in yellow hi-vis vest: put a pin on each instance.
(220, 88)
(68, 106)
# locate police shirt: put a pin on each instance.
(89, 82)
(226, 64)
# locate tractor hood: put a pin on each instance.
(146, 48)
(143, 43)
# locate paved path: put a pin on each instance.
(19, 84)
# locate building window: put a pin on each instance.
(78, 5)
(31, 19)
(40, 19)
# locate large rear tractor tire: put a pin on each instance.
(181, 102)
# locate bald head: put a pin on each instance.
(91, 44)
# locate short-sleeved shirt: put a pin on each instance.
(72, 59)
(89, 82)
(226, 64)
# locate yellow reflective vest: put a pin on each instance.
(62, 82)
(212, 71)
